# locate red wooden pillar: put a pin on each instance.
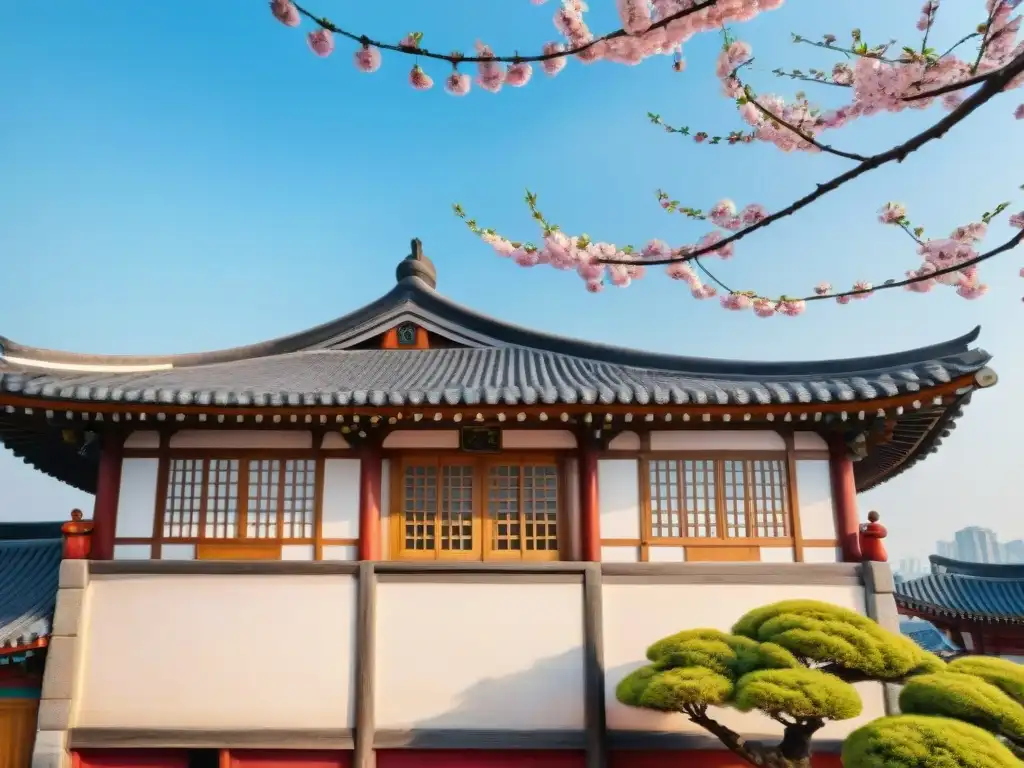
(370, 471)
(108, 488)
(590, 522)
(844, 499)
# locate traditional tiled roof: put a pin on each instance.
(482, 361)
(973, 591)
(495, 376)
(29, 570)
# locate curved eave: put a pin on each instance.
(916, 436)
(934, 612)
(414, 293)
(46, 451)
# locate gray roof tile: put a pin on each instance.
(470, 376)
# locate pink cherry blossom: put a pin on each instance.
(419, 79)
(285, 12)
(1019, 112)
(457, 84)
(518, 74)
(321, 41)
(367, 59)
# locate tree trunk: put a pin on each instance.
(794, 751)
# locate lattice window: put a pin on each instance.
(221, 508)
(504, 510)
(419, 509)
(522, 509)
(228, 498)
(683, 502)
(479, 509)
(768, 498)
(718, 498)
(298, 510)
(184, 498)
(263, 503)
(456, 511)
(734, 498)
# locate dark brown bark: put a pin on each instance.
(794, 751)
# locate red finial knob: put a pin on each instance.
(871, 533)
(77, 537)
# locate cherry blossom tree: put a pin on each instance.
(957, 80)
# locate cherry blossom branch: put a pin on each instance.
(994, 82)
(457, 58)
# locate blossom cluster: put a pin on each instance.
(950, 261)
(878, 84)
(649, 28)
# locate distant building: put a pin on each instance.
(946, 549)
(911, 568)
(977, 545)
(1013, 551)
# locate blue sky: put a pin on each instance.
(181, 180)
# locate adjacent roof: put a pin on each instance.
(483, 361)
(928, 637)
(972, 591)
(29, 570)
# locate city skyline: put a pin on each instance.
(971, 543)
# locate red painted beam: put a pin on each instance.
(108, 488)
(370, 471)
(590, 522)
(844, 499)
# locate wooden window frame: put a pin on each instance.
(244, 459)
(482, 525)
(721, 539)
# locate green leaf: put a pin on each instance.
(917, 741)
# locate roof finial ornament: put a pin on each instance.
(417, 265)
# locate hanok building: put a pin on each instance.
(978, 606)
(475, 531)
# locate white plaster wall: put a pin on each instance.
(666, 555)
(334, 441)
(809, 441)
(178, 552)
(636, 615)
(133, 552)
(136, 501)
(340, 552)
(242, 438)
(823, 555)
(463, 655)
(341, 499)
(516, 439)
(717, 440)
(422, 438)
(625, 441)
(143, 440)
(298, 552)
(155, 656)
(618, 498)
(777, 555)
(814, 490)
(618, 554)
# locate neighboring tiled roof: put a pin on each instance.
(928, 637)
(29, 570)
(980, 592)
(494, 376)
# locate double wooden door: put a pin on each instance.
(17, 731)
